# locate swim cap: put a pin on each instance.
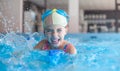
(59, 17)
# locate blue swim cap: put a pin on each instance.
(59, 16)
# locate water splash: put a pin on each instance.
(17, 53)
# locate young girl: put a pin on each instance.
(55, 24)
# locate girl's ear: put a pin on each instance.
(66, 27)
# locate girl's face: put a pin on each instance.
(55, 34)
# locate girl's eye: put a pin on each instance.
(49, 30)
(59, 30)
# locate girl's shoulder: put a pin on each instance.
(40, 44)
(43, 41)
(69, 47)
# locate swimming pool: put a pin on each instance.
(96, 52)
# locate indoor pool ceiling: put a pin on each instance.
(84, 4)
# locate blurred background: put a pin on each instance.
(86, 16)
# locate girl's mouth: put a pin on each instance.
(55, 41)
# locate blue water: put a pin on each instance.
(96, 52)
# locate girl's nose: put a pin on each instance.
(54, 33)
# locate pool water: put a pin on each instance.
(95, 52)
